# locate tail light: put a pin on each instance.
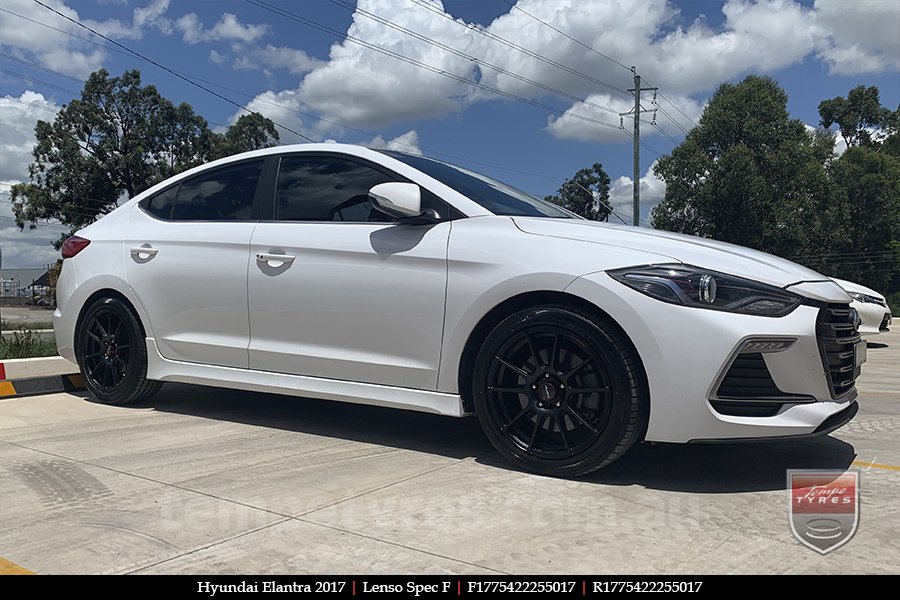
(73, 245)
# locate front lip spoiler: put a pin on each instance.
(835, 421)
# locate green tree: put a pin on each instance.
(747, 174)
(585, 194)
(864, 230)
(249, 132)
(860, 117)
(115, 141)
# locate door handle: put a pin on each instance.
(144, 252)
(274, 260)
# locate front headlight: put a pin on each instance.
(701, 288)
(865, 298)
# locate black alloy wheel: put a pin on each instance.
(559, 391)
(112, 354)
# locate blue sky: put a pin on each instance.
(281, 67)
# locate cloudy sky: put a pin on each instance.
(525, 91)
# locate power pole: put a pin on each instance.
(636, 174)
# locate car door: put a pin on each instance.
(187, 250)
(337, 290)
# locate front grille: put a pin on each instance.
(837, 333)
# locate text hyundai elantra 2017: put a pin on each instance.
(344, 273)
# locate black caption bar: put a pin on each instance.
(429, 586)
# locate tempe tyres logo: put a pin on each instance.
(823, 507)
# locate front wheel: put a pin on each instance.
(559, 391)
(112, 354)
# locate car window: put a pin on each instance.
(224, 194)
(327, 188)
(160, 205)
(496, 196)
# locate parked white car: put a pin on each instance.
(873, 309)
(376, 277)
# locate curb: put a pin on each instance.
(34, 376)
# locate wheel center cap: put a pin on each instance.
(546, 391)
(111, 351)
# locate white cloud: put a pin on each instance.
(229, 27)
(408, 142)
(25, 38)
(216, 57)
(360, 87)
(29, 248)
(621, 194)
(18, 116)
(280, 107)
(274, 57)
(863, 36)
(150, 15)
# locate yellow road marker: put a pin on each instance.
(9, 568)
(862, 463)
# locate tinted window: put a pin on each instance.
(160, 205)
(319, 188)
(224, 194)
(496, 196)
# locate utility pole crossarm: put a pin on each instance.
(636, 111)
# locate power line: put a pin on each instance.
(282, 106)
(34, 104)
(509, 44)
(37, 66)
(406, 59)
(167, 69)
(590, 48)
(566, 35)
(38, 81)
(470, 57)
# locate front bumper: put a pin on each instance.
(686, 352)
(875, 318)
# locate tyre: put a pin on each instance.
(112, 354)
(559, 391)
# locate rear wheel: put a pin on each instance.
(559, 391)
(112, 354)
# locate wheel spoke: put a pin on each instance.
(562, 432)
(103, 333)
(516, 418)
(538, 363)
(537, 427)
(508, 390)
(509, 365)
(583, 364)
(93, 371)
(95, 338)
(583, 421)
(94, 355)
(124, 364)
(552, 362)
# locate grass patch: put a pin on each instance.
(26, 344)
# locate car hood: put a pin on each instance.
(859, 289)
(674, 247)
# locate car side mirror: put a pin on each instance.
(398, 200)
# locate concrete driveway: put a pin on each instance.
(220, 481)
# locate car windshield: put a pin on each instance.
(496, 196)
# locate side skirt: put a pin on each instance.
(164, 369)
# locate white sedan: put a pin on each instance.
(874, 312)
(375, 277)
